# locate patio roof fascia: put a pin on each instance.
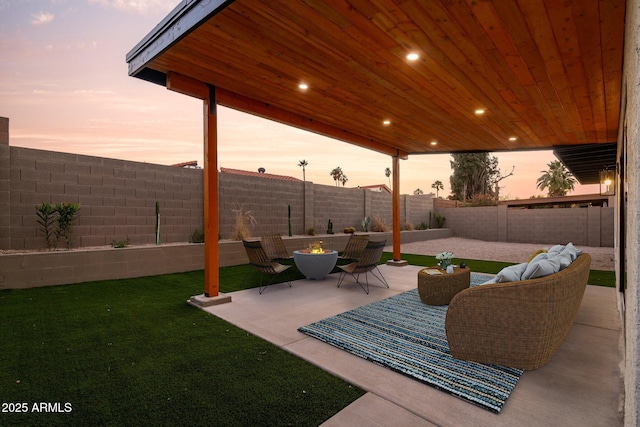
(183, 19)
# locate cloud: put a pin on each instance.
(138, 6)
(42, 18)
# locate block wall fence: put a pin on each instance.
(118, 201)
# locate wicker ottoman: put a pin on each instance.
(438, 289)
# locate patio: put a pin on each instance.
(580, 386)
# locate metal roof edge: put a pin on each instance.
(185, 17)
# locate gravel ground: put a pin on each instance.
(601, 258)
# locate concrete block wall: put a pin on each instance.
(548, 226)
(344, 206)
(382, 206)
(36, 269)
(417, 209)
(479, 223)
(5, 184)
(117, 198)
(592, 226)
(607, 227)
(266, 199)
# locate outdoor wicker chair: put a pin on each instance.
(367, 262)
(517, 324)
(275, 248)
(260, 261)
(354, 248)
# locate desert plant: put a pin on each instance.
(120, 243)
(46, 217)
(197, 237)
(408, 226)
(440, 219)
(422, 226)
(365, 223)
(244, 219)
(67, 213)
(311, 231)
(378, 224)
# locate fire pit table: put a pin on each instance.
(315, 265)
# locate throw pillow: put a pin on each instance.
(541, 268)
(536, 253)
(511, 273)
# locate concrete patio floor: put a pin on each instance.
(580, 386)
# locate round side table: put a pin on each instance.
(438, 289)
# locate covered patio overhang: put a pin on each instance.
(486, 76)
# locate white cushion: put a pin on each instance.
(511, 273)
(555, 250)
(489, 282)
(565, 260)
(541, 268)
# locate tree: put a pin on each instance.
(387, 173)
(336, 174)
(418, 191)
(471, 175)
(496, 177)
(438, 186)
(303, 164)
(344, 179)
(557, 179)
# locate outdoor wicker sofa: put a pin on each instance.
(518, 324)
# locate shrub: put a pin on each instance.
(378, 224)
(197, 237)
(46, 218)
(60, 215)
(120, 243)
(67, 213)
(244, 219)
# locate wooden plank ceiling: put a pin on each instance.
(546, 72)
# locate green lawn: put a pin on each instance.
(132, 352)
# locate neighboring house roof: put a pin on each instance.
(377, 187)
(191, 164)
(258, 174)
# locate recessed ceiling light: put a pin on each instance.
(479, 111)
(303, 86)
(413, 56)
(513, 138)
(434, 143)
(386, 122)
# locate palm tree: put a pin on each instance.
(557, 179)
(344, 179)
(336, 174)
(438, 186)
(418, 191)
(387, 173)
(303, 164)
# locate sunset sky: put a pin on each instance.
(64, 87)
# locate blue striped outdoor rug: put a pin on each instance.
(406, 335)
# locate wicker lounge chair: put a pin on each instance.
(260, 261)
(275, 248)
(517, 324)
(368, 262)
(354, 248)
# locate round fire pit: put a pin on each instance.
(315, 265)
